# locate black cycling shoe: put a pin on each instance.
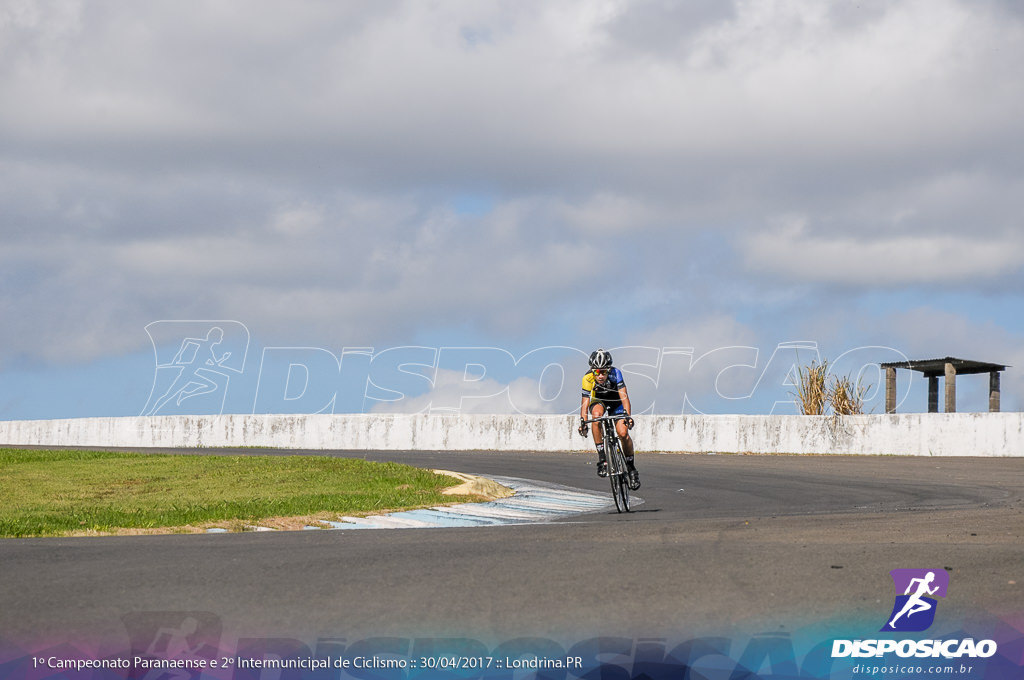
(634, 480)
(602, 468)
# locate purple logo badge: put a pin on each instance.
(916, 590)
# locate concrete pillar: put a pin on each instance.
(993, 391)
(890, 389)
(933, 394)
(950, 388)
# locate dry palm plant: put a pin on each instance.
(811, 388)
(847, 399)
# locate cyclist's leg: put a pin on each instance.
(627, 449)
(627, 441)
(623, 432)
(596, 411)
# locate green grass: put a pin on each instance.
(52, 493)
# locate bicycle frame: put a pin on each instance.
(615, 458)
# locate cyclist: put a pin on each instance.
(604, 393)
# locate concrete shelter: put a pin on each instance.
(948, 368)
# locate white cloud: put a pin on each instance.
(398, 84)
(455, 392)
(794, 251)
(298, 220)
(693, 366)
(294, 166)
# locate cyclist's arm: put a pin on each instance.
(586, 385)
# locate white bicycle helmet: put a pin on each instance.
(600, 358)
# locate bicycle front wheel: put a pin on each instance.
(620, 481)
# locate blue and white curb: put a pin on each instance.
(532, 503)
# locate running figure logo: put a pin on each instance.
(194, 363)
(172, 636)
(914, 609)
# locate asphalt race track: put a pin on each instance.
(759, 543)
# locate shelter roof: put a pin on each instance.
(932, 367)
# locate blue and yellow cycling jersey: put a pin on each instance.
(607, 393)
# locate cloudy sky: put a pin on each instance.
(414, 206)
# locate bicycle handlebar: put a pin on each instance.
(619, 416)
(605, 419)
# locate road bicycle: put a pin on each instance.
(618, 473)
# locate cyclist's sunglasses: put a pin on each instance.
(600, 371)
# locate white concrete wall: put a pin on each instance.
(917, 434)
